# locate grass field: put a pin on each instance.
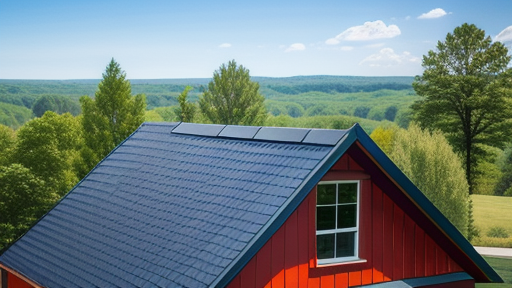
(492, 211)
(503, 267)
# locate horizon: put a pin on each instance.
(75, 40)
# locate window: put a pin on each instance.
(337, 221)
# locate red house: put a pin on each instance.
(195, 205)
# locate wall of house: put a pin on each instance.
(392, 244)
(9, 280)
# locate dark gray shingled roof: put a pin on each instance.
(188, 205)
(170, 209)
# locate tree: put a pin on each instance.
(466, 91)
(429, 161)
(186, 111)
(111, 117)
(24, 198)
(49, 147)
(232, 98)
(56, 103)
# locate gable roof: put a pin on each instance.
(188, 205)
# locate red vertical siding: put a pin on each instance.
(392, 244)
(15, 282)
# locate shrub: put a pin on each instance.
(497, 232)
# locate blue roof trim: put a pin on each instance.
(286, 209)
(423, 281)
(421, 200)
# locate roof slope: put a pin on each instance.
(188, 205)
(167, 209)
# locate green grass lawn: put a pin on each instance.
(503, 267)
(491, 211)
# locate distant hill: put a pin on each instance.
(294, 96)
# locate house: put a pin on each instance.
(196, 205)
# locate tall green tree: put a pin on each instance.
(429, 161)
(186, 111)
(466, 92)
(111, 117)
(232, 98)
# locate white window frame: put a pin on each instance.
(334, 231)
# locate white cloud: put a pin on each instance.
(296, 47)
(387, 57)
(435, 13)
(225, 45)
(367, 31)
(376, 45)
(346, 48)
(505, 36)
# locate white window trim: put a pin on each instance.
(354, 258)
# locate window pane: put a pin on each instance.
(326, 194)
(345, 244)
(325, 246)
(347, 216)
(326, 218)
(347, 193)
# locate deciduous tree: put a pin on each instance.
(429, 161)
(466, 93)
(232, 98)
(49, 147)
(24, 198)
(111, 117)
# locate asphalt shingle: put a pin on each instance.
(168, 209)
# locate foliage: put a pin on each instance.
(324, 122)
(390, 113)
(385, 138)
(56, 103)
(429, 161)
(111, 117)
(167, 113)
(24, 198)
(497, 232)
(466, 92)
(49, 148)
(7, 143)
(186, 111)
(153, 116)
(362, 111)
(14, 116)
(505, 181)
(232, 98)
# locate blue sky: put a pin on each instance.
(155, 39)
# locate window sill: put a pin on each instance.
(347, 262)
(319, 270)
